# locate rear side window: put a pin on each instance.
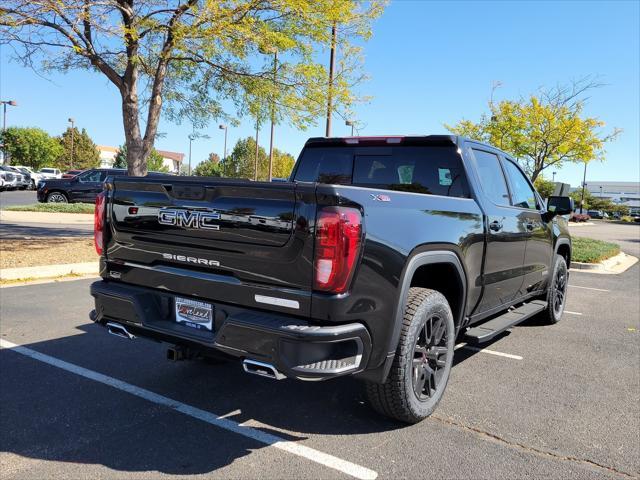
(430, 170)
(492, 179)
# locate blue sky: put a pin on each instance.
(429, 63)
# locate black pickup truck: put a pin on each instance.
(375, 256)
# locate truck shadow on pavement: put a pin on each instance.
(50, 414)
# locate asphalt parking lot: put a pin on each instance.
(17, 197)
(541, 401)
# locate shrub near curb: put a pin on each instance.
(589, 250)
(54, 208)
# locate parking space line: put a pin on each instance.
(490, 352)
(269, 439)
(572, 313)
(590, 288)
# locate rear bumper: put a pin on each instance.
(295, 347)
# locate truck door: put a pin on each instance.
(538, 254)
(88, 185)
(506, 236)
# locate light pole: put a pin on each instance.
(273, 113)
(554, 177)
(584, 184)
(350, 123)
(332, 60)
(255, 170)
(72, 121)
(4, 103)
(600, 191)
(224, 160)
(12, 103)
(191, 139)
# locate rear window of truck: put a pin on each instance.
(431, 170)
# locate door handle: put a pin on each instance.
(495, 226)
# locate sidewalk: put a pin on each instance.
(46, 217)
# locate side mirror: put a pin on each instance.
(560, 205)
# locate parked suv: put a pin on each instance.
(32, 176)
(82, 188)
(48, 173)
(14, 180)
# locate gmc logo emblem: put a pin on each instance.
(188, 219)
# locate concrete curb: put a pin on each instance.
(580, 224)
(46, 217)
(49, 271)
(618, 264)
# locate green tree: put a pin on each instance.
(544, 187)
(282, 164)
(155, 162)
(210, 167)
(77, 153)
(191, 56)
(32, 147)
(120, 160)
(543, 130)
(241, 161)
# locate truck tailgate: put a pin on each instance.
(224, 240)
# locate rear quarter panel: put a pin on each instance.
(394, 231)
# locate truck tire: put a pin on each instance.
(556, 292)
(423, 359)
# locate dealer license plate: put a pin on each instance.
(194, 314)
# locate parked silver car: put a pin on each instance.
(9, 177)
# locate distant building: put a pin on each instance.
(171, 160)
(621, 193)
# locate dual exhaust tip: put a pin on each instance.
(176, 353)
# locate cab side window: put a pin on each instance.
(522, 193)
(92, 177)
(491, 177)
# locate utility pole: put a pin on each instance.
(224, 160)
(191, 137)
(4, 103)
(72, 121)
(273, 114)
(584, 183)
(332, 60)
(255, 170)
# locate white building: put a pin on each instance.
(622, 193)
(171, 160)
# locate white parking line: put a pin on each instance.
(490, 352)
(572, 313)
(269, 439)
(590, 288)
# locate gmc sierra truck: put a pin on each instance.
(375, 256)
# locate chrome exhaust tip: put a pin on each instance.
(119, 331)
(262, 369)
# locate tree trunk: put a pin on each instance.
(136, 155)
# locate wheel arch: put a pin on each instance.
(563, 248)
(439, 270)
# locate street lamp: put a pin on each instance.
(273, 112)
(224, 160)
(4, 103)
(554, 176)
(584, 184)
(350, 123)
(72, 121)
(192, 137)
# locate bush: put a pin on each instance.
(54, 207)
(588, 250)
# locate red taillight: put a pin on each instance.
(98, 222)
(338, 238)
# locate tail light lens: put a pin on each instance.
(338, 239)
(98, 222)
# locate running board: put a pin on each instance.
(486, 331)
